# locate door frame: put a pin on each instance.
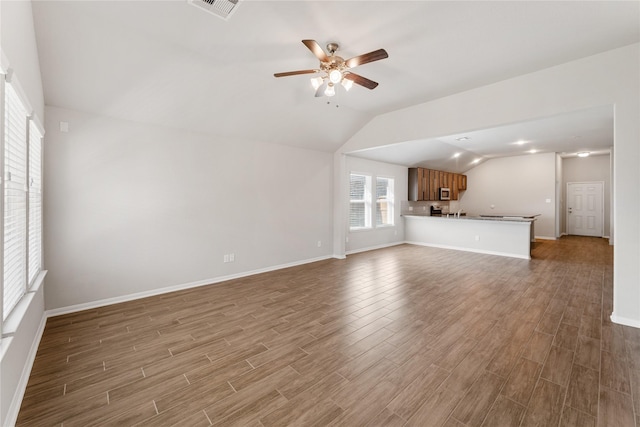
(566, 213)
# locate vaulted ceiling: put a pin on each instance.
(168, 63)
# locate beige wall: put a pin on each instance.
(131, 209)
(514, 185)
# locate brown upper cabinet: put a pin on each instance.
(462, 182)
(425, 184)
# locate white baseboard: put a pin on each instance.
(545, 238)
(138, 295)
(478, 251)
(634, 323)
(16, 402)
(373, 248)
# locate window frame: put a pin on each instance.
(31, 136)
(15, 180)
(34, 188)
(366, 201)
(390, 202)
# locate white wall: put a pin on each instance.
(19, 53)
(18, 41)
(132, 208)
(514, 185)
(592, 168)
(609, 78)
(381, 236)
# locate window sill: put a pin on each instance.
(13, 320)
(358, 230)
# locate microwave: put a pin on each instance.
(445, 193)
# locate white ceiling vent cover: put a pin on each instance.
(220, 8)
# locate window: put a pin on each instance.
(35, 201)
(384, 201)
(361, 204)
(22, 198)
(15, 200)
(359, 201)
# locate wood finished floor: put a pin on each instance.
(400, 336)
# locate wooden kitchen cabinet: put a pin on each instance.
(425, 184)
(453, 184)
(418, 184)
(434, 185)
(462, 182)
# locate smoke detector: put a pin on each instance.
(220, 8)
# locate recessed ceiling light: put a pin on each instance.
(521, 142)
(583, 154)
(455, 156)
(532, 151)
(476, 161)
(463, 138)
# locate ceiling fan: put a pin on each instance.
(335, 69)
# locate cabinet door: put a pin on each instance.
(414, 181)
(453, 183)
(462, 182)
(435, 185)
(444, 179)
(422, 184)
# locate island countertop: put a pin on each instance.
(511, 218)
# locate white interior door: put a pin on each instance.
(585, 208)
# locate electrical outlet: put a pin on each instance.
(232, 257)
(319, 243)
(410, 208)
(477, 238)
(226, 258)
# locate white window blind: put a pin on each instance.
(35, 201)
(384, 201)
(359, 201)
(15, 203)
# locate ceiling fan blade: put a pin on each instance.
(362, 81)
(316, 49)
(295, 73)
(376, 55)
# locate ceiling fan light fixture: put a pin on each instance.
(330, 90)
(347, 84)
(335, 76)
(316, 82)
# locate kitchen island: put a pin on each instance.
(509, 236)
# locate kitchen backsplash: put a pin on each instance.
(423, 208)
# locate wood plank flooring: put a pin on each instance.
(406, 335)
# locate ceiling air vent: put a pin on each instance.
(220, 8)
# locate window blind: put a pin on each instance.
(359, 201)
(15, 203)
(384, 201)
(35, 202)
